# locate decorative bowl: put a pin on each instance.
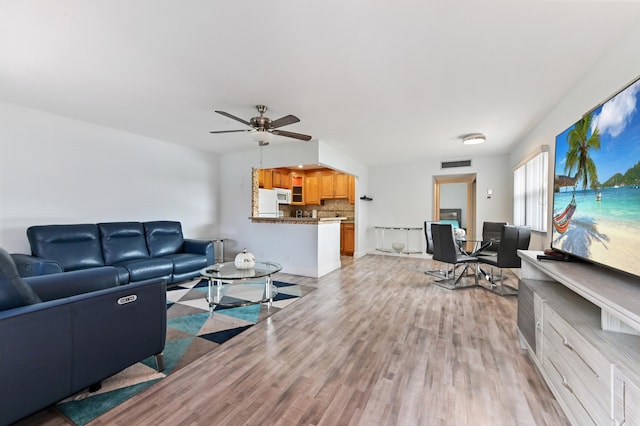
(397, 247)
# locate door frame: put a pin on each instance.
(470, 180)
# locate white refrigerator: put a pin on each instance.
(267, 203)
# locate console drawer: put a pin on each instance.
(583, 358)
(575, 366)
(588, 399)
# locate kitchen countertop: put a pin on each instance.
(299, 220)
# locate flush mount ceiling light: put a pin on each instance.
(474, 139)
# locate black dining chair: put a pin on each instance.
(491, 232)
(446, 250)
(512, 239)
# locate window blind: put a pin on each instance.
(530, 189)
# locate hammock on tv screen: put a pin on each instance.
(561, 221)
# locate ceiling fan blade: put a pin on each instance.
(284, 121)
(230, 131)
(292, 135)
(233, 117)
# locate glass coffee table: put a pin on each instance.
(233, 287)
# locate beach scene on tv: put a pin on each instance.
(596, 201)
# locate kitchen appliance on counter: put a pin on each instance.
(267, 203)
(283, 195)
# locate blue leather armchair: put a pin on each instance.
(65, 332)
(138, 250)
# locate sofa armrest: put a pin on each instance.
(37, 355)
(126, 324)
(202, 247)
(57, 286)
(31, 266)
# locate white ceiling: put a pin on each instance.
(382, 81)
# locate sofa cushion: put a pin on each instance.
(186, 262)
(143, 269)
(122, 241)
(14, 292)
(72, 246)
(163, 237)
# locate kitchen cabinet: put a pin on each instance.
(297, 189)
(334, 185)
(281, 178)
(341, 186)
(347, 239)
(312, 189)
(352, 189)
(265, 178)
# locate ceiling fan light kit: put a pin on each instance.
(474, 139)
(262, 137)
(263, 128)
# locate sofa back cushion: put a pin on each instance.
(14, 292)
(72, 246)
(164, 237)
(122, 241)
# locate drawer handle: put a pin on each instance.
(569, 346)
(565, 384)
(565, 342)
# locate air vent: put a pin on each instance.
(452, 164)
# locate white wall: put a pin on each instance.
(403, 193)
(58, 170)
(611, 73)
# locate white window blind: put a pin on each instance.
(530, 186)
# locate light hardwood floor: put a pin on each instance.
(375, 344)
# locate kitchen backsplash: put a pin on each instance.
(329, 208)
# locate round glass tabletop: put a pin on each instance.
(228, 271)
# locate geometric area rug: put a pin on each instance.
(192, 331)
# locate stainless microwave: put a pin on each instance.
(283, 195)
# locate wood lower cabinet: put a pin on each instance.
(347, 239)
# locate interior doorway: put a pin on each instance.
(456, 194)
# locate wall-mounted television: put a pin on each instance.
(596, 198)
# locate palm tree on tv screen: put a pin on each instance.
(578, 159)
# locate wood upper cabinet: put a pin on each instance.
(340, 185)
(297, 189)
(352, 189)
(265, 178)
(281, 178)
(326, 185)
(334, 185)
(312, 189)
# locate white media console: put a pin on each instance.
(581, 326)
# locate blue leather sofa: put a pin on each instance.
(62, 333)
(138, 250)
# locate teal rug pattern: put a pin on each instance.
(192, 331)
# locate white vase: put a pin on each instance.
(245, 260)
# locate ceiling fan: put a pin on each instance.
(263, 128)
